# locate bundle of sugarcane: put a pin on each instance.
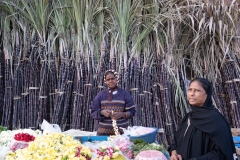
(219, 96)
(8, 77)
(166, 106)
(159, 120)
(62, 81)
(229, 76)
(62, 90)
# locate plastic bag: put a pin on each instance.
(137, 131)
(3, 152)
(77, 132)
(50, 128)
(125, 146)
(18, 145)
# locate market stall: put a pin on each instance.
(50, 143)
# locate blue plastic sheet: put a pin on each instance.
(236, 140)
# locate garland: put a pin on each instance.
(115, 127)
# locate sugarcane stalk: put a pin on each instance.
(52, 84)
(1, 84)
(43, 90)
(68, 91)
(34, 85)
(7, 106)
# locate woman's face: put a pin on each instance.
(196, 94)
(110, 80)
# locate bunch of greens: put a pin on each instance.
(140, 145)
(2, 128)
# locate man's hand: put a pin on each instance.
(106, 112)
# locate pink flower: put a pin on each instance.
(108, 151)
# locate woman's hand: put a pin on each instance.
(117, 115)
(106, 112)
(175, 156)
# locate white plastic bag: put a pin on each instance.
(77, 132)
(3, 152)
(50, 128)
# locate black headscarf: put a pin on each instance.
(208, 120)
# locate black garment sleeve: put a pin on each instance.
(215, 154)
(174, 144)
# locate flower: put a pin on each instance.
(107, 153)
(24, 137)
(52, 146)
(115, 155)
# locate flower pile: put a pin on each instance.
(52, 146)
(107, 153)
(7, 139)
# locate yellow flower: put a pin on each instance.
(82, 158)
(116, 148)
(104, 147)
(106, 158)
(115, 155)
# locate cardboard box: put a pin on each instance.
(238, 151)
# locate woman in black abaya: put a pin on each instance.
(204, 133)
